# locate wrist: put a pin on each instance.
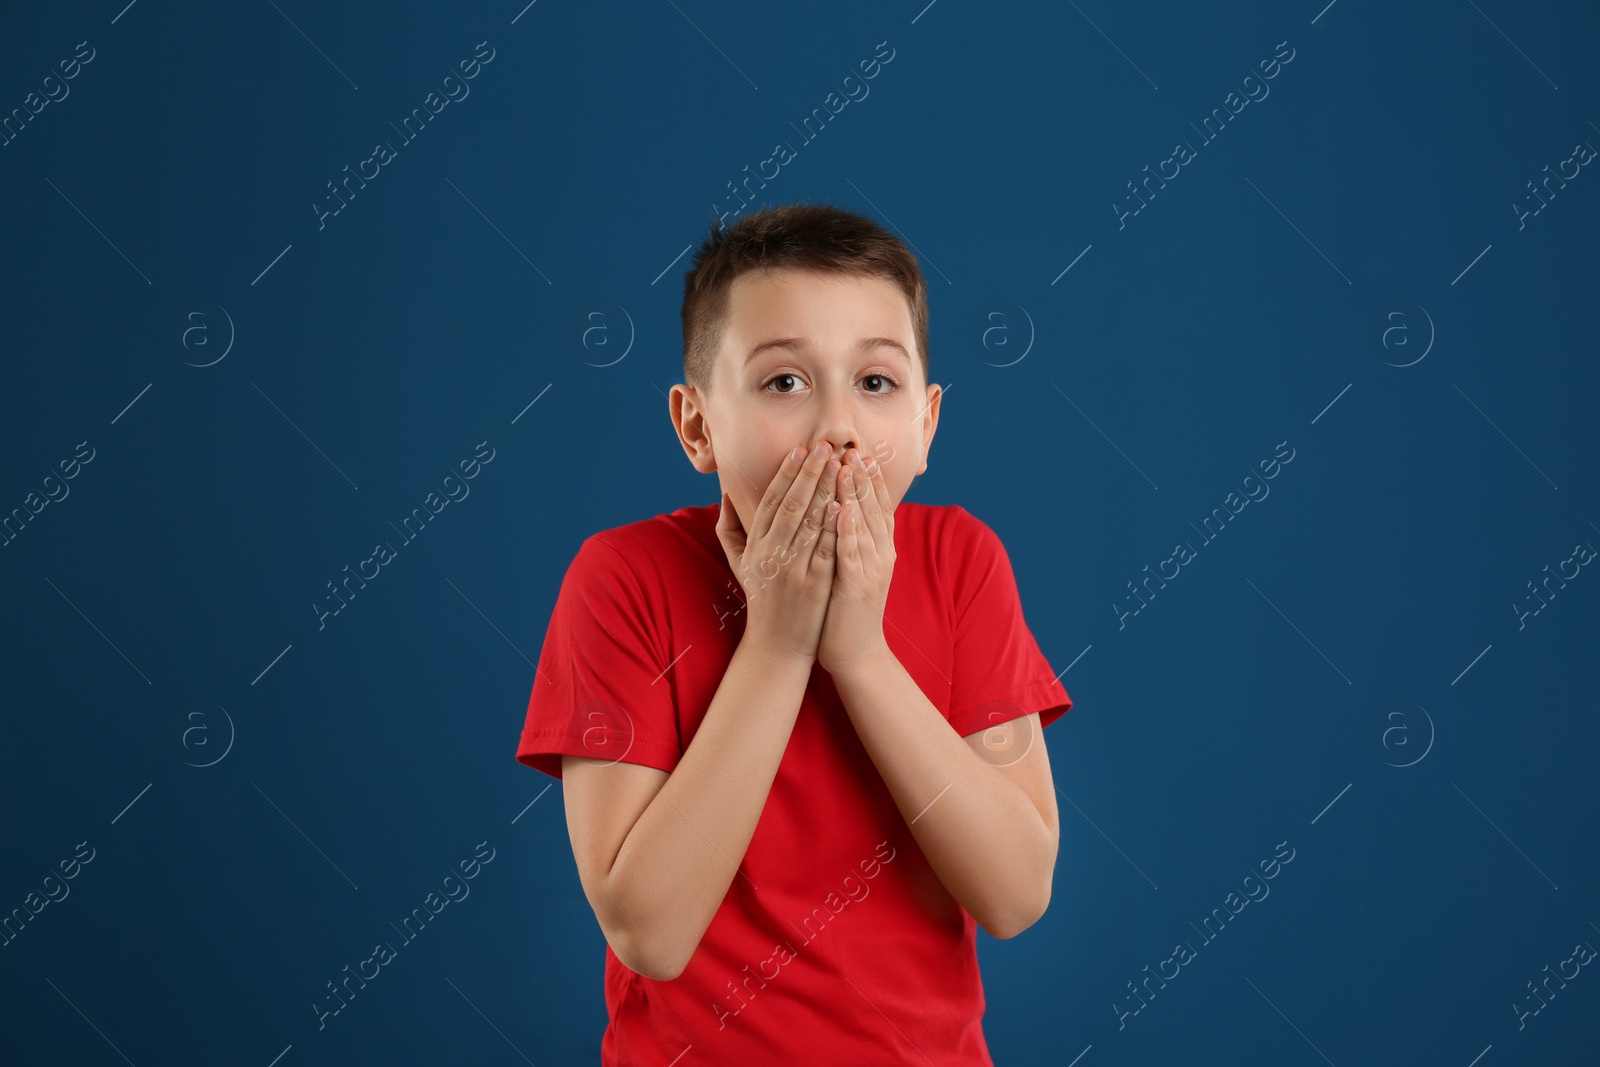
(774, 651)
(868, 665)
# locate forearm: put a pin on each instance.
(979, 830)
(676, 864)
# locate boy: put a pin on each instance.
(794, 789)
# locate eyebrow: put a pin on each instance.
(795, 344)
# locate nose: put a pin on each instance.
(836, 427)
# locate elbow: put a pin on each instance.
(1027, 904)
(657, 963)
(666, 974)
(657, 968)
(1008, 923)
(639, 950)
(1006, 930)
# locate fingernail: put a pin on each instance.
(797, 455)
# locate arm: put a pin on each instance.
(990, 833)
(657, 852)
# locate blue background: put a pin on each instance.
(263, 797)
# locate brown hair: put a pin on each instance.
(805, 236)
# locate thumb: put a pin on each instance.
(730, 531)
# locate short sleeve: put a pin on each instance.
(599, 690)
(998, 672)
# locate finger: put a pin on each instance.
(733, 547)
(869, 488)
(729, 529)
(731, 532)
(816, 515)
(879, 509)
(781, 481)
(849, 561)
(857, 492)
(880, 484)
(824, 555)
(795, 503)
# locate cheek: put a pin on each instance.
(749, 471)
(899, 459)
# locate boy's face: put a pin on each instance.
(793, 370)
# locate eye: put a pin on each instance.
(779, 378)
(886, 384)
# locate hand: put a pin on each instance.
(852, 630)
(785, 561)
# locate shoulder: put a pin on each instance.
(955, 533)
(940, 529)
(649, 563)
(651, 543)
(972, 561)
(949, 545)
(628, 577)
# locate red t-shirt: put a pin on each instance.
(852, 951)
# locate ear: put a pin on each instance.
(694, 433)
(930, 423)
